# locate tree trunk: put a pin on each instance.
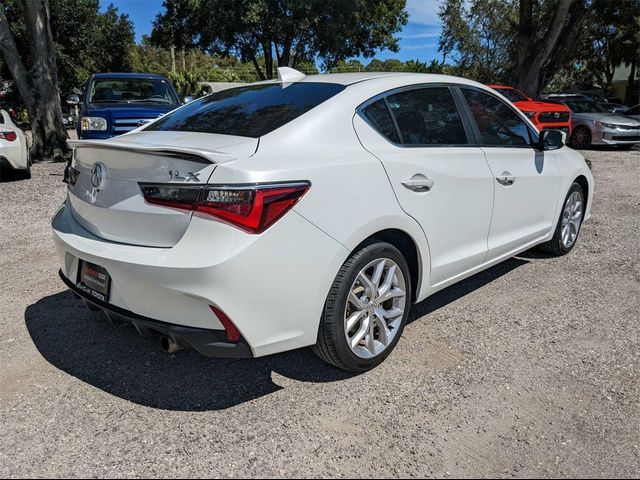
(532, 55)
(14, 63)
(184, 60)
(631, 82)
(268, 59)
(259, 71)
(38, 88)
(172, 50)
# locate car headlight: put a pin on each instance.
(93, 123)
(606, 125)
(530, 114)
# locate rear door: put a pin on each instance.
(526, 180)
(438, 176)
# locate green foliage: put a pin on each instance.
(186, 83)
(297, 30)
(85, 39)
(150, 59)
(479, 36)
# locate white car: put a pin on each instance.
(14, 151)
(311, 211)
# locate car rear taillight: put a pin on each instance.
(253, 208)
(9, 136)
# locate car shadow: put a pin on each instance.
(115, 359)
(457, 290)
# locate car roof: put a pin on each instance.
(127, 75)
(394, 77)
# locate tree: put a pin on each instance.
(544, 41)
(479, 37)
(173, 29)
(613, 39)
(80, 34)
(269, 33)
(37, 82)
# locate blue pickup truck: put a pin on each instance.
(116, 103)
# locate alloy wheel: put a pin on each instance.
(572, 219)
(375, 308)
(581, 138)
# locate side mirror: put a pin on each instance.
(73, 99)
(187, 99)
(552, 140)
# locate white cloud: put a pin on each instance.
(420, 47)
(423, 12)
(422, 35)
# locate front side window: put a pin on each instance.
(251, 111)
(378, 115)
(499, 125)
(428, 116)
(132, 90)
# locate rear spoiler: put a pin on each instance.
(187, 153)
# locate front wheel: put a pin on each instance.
(366, 309)
(566, 233)
(580, 138)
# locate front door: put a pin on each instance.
(526, 179)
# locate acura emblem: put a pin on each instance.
(98, 175)
(557, 115)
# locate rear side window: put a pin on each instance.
(251, 111)
(378, 115)
(428, 116)
(499, 125)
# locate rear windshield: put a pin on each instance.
(250, 111)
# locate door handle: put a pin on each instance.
(506, 179)
(418, 183)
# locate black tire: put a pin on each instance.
(580, 138)
(555, 247)
(332, 345)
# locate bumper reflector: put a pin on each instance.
(233, 334)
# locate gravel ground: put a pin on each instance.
(531, 368)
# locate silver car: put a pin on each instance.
(592, 124)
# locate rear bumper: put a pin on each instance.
(272, 286)
(211, 343)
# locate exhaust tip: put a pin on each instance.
(170, 345)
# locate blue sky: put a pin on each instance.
(419, 37)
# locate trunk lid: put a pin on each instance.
(111, 205)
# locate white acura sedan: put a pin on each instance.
(311, 211)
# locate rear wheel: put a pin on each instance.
(366, 310)
(580, 138)
(569, 223)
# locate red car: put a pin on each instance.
(543, 115)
